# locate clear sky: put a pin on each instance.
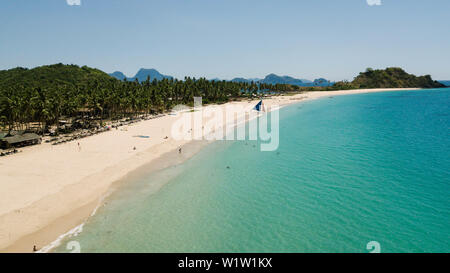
(335, 39)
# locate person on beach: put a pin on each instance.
(35, 248)
(79, 147)
(179, 150)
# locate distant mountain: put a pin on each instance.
(321, 82)
(446, 83)
(255, 79)
(275, 79)
(142, 75)
(215, 79)
(152, 73)
(118, 75)
(306, 81)
(241, 80)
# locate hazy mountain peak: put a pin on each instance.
(446, 83)
(118, 75)
(271, 78)
(142, 75)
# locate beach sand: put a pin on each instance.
(47, 190)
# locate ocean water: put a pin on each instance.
(349, 170)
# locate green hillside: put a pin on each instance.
(392, 77)
(51, 76)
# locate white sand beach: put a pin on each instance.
(47, 190)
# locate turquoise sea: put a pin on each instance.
(349, 170)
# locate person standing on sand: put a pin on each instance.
(79, 147)
(35, 248)
(179, 150)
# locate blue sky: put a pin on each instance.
(335, 39)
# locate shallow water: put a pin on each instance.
(349, 170)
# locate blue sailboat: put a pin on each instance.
(259, 107)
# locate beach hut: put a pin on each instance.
(20, 140)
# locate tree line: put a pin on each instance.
(46, 94)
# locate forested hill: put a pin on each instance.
(51, 76)
(392, 77)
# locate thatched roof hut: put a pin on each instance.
(20, 140)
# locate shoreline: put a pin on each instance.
(72, 222)
(47, 191)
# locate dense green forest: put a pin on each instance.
(46, 94)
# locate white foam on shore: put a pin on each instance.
(71, 233)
